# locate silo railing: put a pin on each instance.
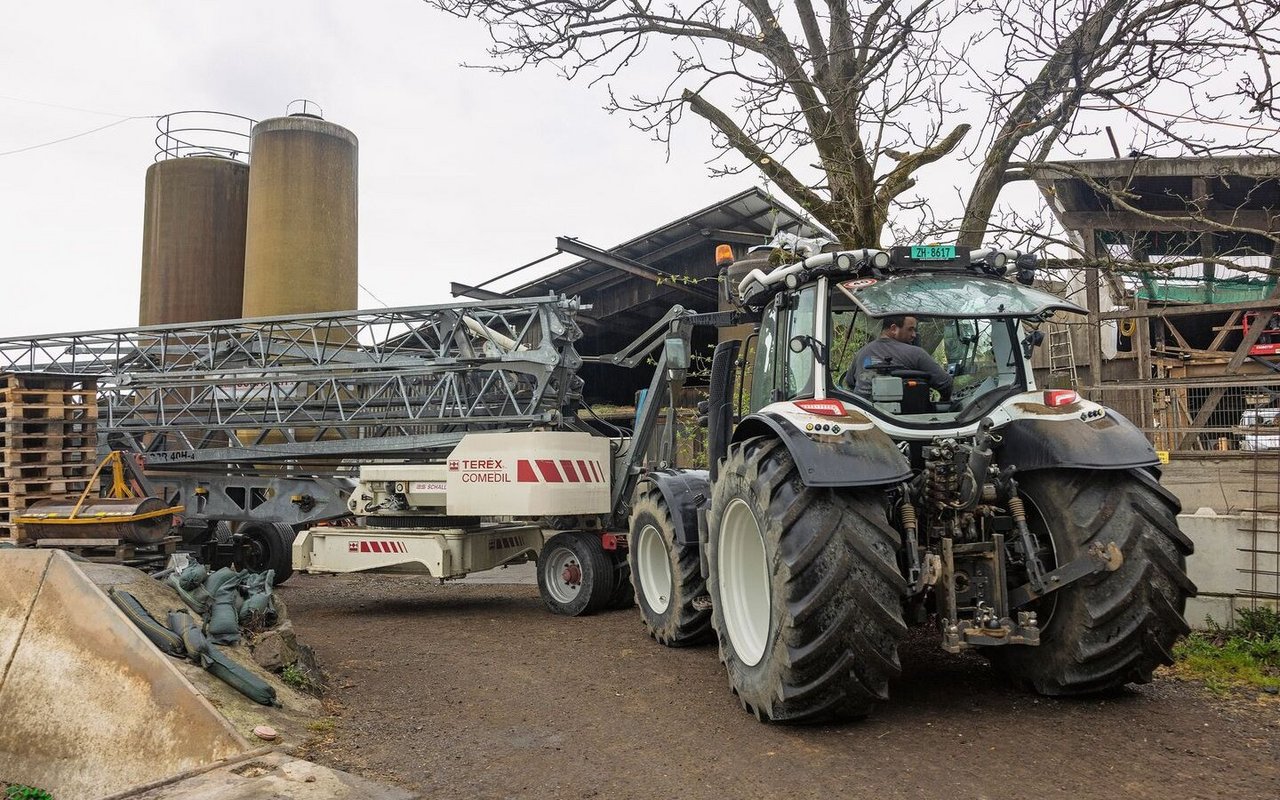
(212, 134)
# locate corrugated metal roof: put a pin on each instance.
(752, 212)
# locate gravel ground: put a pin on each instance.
(474, 690)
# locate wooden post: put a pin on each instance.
(1141, 341)
(1094, 306)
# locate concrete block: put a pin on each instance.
(89, 705)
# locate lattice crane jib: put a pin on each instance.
(402, 383)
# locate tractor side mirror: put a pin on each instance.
(677, 352)
(799, 344)
(1031, 341)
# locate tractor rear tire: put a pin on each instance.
(1110, 628)
(575, 575)
(666, 575)
(806, 590)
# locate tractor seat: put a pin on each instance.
(915, 391)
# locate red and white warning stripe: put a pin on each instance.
(376, 546)
(563, 470)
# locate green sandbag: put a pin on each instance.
(245, 682)
(224, 623)
(212, 659)
(160, 636)
(257, 607)
(189, 584)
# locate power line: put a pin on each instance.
(376, 299)
(64, 107)
(74, 136)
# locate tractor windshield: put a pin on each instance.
(922, 367)
(951, 295)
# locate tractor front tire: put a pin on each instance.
(1110, 628)
(666, 575)
(806, 590)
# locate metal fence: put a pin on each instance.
(1214, 416)
(1261, 577)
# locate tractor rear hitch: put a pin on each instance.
(1098, 558)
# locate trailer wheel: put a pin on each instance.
(806, 591)
(575, 576)
(666, 575)
(1110, 628)
(270, 547)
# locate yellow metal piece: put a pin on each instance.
(97, 511)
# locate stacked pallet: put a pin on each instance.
(48, 441)
(117, 551)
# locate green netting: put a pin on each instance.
(1216, 290)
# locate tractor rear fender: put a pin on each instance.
(1105, 441)
(864, 457)
(684, 492)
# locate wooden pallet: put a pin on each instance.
(115, 551)
(33, 471)
(48, 441)
(17, 456)
(9, 380)
(44, 395)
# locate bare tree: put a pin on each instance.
(843, 104)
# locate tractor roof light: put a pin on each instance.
(829, 407)
(724, 255)
(1056, 398)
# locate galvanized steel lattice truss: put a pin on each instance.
(396, 383)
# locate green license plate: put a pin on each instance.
(935, 252)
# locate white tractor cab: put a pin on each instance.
(978, 328)
(1028, 524)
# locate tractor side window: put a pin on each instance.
(800, 365)
(850, 330)
(763, 378)
(980, 354)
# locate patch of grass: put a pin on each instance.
(323, 726)
(299, 678)
(1245, 656)
(19, 792)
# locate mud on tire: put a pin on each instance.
(1111, 628)
(823, 645)
(666, 606)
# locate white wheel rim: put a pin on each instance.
(560, 585)
(653, 566)
(745, 593)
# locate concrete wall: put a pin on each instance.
(1225, 485)
(1220, 564)
(89, 706)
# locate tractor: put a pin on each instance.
(1025, 524)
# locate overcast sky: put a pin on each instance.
(463, 173)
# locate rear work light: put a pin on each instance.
(826, 408)
(1053, 398)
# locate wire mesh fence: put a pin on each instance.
(1213, 416)
(1260, 577)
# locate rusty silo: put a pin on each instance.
(300, 245)
(193, 228)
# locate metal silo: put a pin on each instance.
(300, 245)
(193, 228)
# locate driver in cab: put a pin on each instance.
(895, 350)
